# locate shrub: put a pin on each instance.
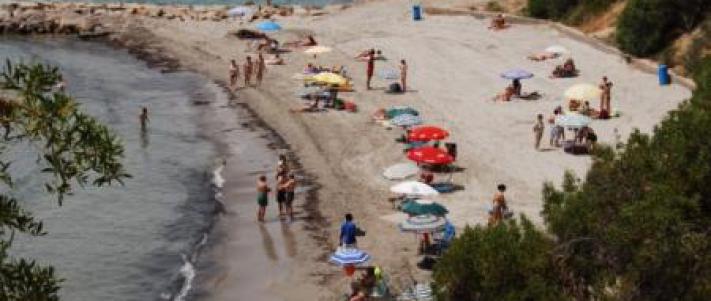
(506, 262)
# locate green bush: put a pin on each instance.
(647, 26)
(550, 9)
(506, 262)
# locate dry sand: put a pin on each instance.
(455, 64)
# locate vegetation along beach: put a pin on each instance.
(366, 150)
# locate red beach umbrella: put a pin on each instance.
(430, 155)
(427, 133)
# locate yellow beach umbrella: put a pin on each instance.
(329, 78)
(583, 92)
(317, 50)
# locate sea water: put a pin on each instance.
(210, 2)
(132, 242)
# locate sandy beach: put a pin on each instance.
(454, 66)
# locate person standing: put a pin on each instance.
(347, 238)
(606, 95)
(234, 74)
(281, 194)
(262, 197)
(144, 119)
(403, 75)
(248, 68)
(499, 206)
(261, 68)
(371, 67)
(538, 129)
(290, 188)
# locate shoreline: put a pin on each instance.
(346, 170)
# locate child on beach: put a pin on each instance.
(262, 197)
(234, 74)
(248, 68)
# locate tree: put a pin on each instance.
(72, 148)
(509, 261)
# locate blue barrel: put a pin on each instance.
(416, 12)
(663, 72)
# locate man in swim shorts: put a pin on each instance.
(262, 197)
(289, 188)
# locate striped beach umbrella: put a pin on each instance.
(423, 224)
(349, 256)
(423, 207)
(414, 188)
(406, 120)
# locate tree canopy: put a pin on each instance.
(72, 148)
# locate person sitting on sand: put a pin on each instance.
(506, 94)
(305, 42)
(516, 84)
(311, 106)
(537, 57)
(498, 22)
(275, 60)
(269, 45)
(426, 177)
(566, 70)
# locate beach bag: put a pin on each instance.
(394, 88)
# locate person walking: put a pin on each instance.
(248, 69)
(262, 197)
(261, 68)
(403, 75)
(538, 129)
(234, 74)
(347, 238)
(371, 67)
(144, 119)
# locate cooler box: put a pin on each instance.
(416, 12)
(663, 72)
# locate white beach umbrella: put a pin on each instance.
(401, 171)
(414, 188)
(583, 92)
(423, 224)
(557, 49)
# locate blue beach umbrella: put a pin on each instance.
(516, 74)
(406, 120)
(572, 120)
(268, 26)
(349, 256)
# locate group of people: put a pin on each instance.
(584, 136)
(285, 185)
(249, 69)
(566, 70)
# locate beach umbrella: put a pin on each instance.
(572, 120)
(430, 155)
(427, 133)
(406, 120)
(399, 110)
(516, 74)
(401, 171)
(414, 188)
(268, 26)
(583, 92)
(330, 78)
(349, 256)
(423, 224)
(389, 73)
(240, 11)
(557, 49)
(422, 207)
(317, 50)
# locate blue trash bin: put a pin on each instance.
(663, 72)
(416, 12)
